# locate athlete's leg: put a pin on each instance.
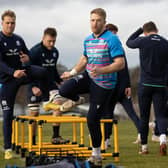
(34, 110)
(99, 104)
(59, 100)
(128, 106)
(7, 98)
(159, 102)
(109, 114)
(36, 73)
(156, 129)
(145, 99)
(75, 86)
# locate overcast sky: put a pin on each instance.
(71, 19)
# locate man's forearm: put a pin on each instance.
(134, 39)
(80, 66)
(114, 67)
(136, 34)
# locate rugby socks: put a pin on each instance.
(162, 139)
(34, 140)
(56, 131)
(96, 152)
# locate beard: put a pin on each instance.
(97, 31)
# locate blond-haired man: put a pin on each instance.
(101, 59)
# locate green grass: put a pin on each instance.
(129, 157)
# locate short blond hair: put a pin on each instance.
(100, 12)
(8, 13)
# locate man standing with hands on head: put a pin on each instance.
(153, 50)
(101, 59)
(14, 72)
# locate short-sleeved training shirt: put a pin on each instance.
(102, 51)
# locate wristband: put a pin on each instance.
(73, 72)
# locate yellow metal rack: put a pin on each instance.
(20, 145)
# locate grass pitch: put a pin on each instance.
(129, 157)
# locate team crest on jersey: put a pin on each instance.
(4, 102)
(5, 105)
(5, 44)
(43, 55)
(54, 54)
(18, 43)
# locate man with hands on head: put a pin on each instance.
(153, 53)
(14, 72)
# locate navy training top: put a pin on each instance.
(153, 57)
(10, 48)
(45, 58)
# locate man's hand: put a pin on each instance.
(36, 91)
(66, 75)
(19, 73)
(95, 71)
(24, 57)
(128, 92)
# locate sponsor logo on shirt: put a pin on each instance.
(155, 38)
(48, 63)
(12, 52)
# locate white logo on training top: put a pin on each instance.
(98, 106)
(18, 43)
(4, 102)
(155, 38)
(4, 105)
(48, 63)
(12, 52)
(43, 55)
(54, 54)
(5, 44)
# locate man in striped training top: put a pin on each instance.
(101, 59)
